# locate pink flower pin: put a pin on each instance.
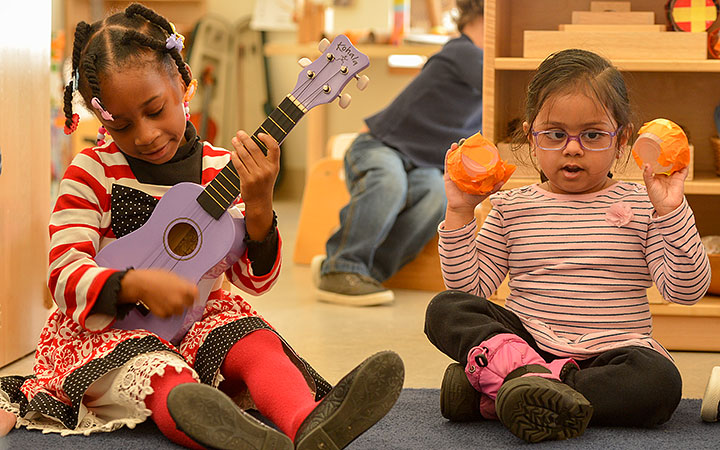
(619, 214)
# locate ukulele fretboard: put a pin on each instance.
(279, 123)
(222, 191)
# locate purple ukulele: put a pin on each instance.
(189, 232)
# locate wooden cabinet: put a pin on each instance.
(25, 177)
(685, 92)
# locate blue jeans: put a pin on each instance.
(394, 211)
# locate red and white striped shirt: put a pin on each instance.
(577, 281)
(80, 226)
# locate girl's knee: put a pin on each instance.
(438, 309)
(439, 304)
(447, 305)
(668, 383)
(638, 387)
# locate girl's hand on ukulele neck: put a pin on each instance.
(164, 293)
(257, 174)
(666, 192)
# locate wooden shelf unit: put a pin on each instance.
(685, 92)
(371, 50)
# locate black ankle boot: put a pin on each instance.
(212, 419)
(355, 404)
(459, 400)
(535, 408)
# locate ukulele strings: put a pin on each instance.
(153, 258)
(309, 82)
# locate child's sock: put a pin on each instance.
(276, 385)
(157, 403)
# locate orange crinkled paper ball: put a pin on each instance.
(475, 167)
(662, 144)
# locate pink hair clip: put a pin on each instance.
(97, 105)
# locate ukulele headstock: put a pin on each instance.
(323, 80)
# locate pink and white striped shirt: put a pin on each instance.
(578, 275)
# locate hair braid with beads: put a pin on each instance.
(105, 45)
(82, 33)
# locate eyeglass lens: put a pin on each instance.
(590, 140)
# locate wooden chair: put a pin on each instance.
(324, 196)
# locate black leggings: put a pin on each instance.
(628, 386)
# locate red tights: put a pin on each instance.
(258, 362)
(157, 403)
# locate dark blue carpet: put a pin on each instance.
(415, 423)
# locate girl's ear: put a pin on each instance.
(624, 140)
(526, 131)
(187, 66)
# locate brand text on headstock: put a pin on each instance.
(348, 52)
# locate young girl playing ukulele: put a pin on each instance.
(91, 376)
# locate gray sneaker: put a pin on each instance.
(345, 288)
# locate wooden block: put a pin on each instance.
(609, 27)
(422, 273)
(626, 18)
(687, 333)
(634, 45)
(610, 6)
(714, 273)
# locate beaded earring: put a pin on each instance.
(189, 93)
(100, 140)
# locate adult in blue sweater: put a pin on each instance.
(394, 170)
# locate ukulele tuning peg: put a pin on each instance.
(304, 62)
(362, 81)
(323, 44)
(344, 101)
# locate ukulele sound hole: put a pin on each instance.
(182, 239)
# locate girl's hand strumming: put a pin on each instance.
(666, 192)
(257, 174)
(164, 293)
(461, 205)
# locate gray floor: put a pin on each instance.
(335, 338)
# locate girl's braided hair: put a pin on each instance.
(134, 34)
